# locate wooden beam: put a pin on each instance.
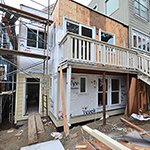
(21, 53)
(24, 14)
(39, 123)
(105, 139)
(127, 94)
(134, 126)
(104, 98)
(63, 100)
(32, 134)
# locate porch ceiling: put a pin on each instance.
(96, 69)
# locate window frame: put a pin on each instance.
(113, 10)
(141, 35)
(139, 14)
(80, 27)
(111, 91)
(37, 37)
(80, 84)
(101, 92)
(5, 73)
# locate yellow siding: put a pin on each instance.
(20, 95)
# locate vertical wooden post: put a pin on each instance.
(137, 92)
(63, 100)
(127, 94)
(104, 99)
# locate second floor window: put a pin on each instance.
(35, 38)
(141, 8)
(111, 6)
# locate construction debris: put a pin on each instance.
(57, 135)
(105, 139)
(141, 117)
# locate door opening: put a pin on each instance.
(32, 96)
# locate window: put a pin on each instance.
(72, 28)
(32, 38)
(95, 7)
(107, 37)
(111, 6)
(41, 40)
(140, 41)
(115, 91)
(141, 8)
(100, 91)
(79, 29)
(33, 41)
(3, 73)
(82, 85)
(53, 35)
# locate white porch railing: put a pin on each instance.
(76, 47)
(144, 64)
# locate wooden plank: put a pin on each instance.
(127, 107)
(131, 99)
(134, 126)
(32, 134)
(39, 123)
(137, 92)
(137, 147)
(105, 139)
(21, 53)
(63, 100)
(104, 99)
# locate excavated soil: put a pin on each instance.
(114, 128)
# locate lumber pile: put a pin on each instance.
(35, 126)
(137, 104)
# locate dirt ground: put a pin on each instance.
(114, 128)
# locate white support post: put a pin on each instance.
(103, 51)
(58, 90)
(69, 47)
(68, 97)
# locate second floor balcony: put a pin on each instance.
(82, 50)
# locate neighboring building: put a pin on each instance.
(134, 13)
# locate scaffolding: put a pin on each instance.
(9, 53)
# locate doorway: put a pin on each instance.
(32, 95)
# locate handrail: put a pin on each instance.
(92, 40)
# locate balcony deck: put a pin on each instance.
(86, 53)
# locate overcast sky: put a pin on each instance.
(16, 3)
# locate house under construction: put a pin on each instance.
(78, 69)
